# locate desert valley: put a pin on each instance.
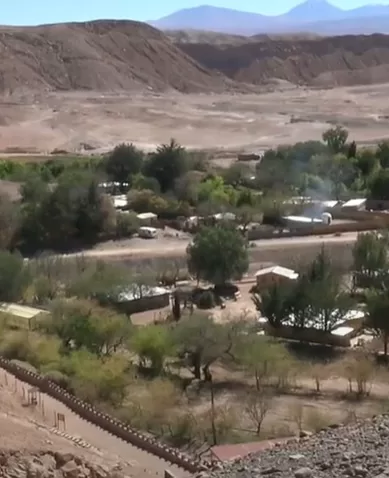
(194, 248)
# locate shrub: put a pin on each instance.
(58, 378)
(127, 224)
(206, 300)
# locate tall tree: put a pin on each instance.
(167, 164)
(274, 303)
(218, 254)
(336, 139)
(14, 276)
(201, 341)
(124, 162)
(370, 255)
(378, 315)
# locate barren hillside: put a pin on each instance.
(332, 61)
(101, 55)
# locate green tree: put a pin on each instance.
(383, 154)
(336, 139)
(260, 356)
(329, 303)
(274, 303)
(379, 186)
(124, 162)
(218, 254)
(370, 260)
(186, 187)
(81, 324)
(167, 164)
(214, 190)
(9, 222)
(74, 213)
(143, 182)
(201, 341)
(378, 315)
(153, 344)
(146, 201)
(14, 276)
(95, 380)
(366, 162)
(127, 224)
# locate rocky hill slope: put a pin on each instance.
(103, 55)
(45, 464)
(331, 61)
(358, 450)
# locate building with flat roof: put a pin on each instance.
(274, 275)
(21, 316)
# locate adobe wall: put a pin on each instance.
(102, 420)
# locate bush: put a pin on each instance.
(127, 224)
(59, 379)
(206, 300)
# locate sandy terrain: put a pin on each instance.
(41, 123)
(22, 427)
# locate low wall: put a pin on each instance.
(308, 335)
(322, 230)
(102, 420)
(143, 304)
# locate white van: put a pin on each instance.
(147, 232)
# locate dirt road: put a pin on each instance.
(140, 463)
(150, 248)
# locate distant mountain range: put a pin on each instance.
(315, 16)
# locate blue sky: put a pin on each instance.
(32, 12)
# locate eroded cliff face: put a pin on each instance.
(332, 61)
(103, 55)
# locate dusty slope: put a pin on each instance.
(343, 60)
(103, 55)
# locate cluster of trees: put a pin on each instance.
(316, 299)
(332, 168)
(74, 210)
(98, 354)
(63, 207)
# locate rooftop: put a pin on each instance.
(147, 215)
(278, 270)
(20, 310)
(304, 219)
(136, 292)
(354, 203)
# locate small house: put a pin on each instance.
(147, 219)
(21, 316)
(355, 205)
(274, 275)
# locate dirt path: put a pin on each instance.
(141, 463)
(155, 249)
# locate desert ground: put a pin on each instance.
(280, 114)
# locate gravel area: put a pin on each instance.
(358, 450)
